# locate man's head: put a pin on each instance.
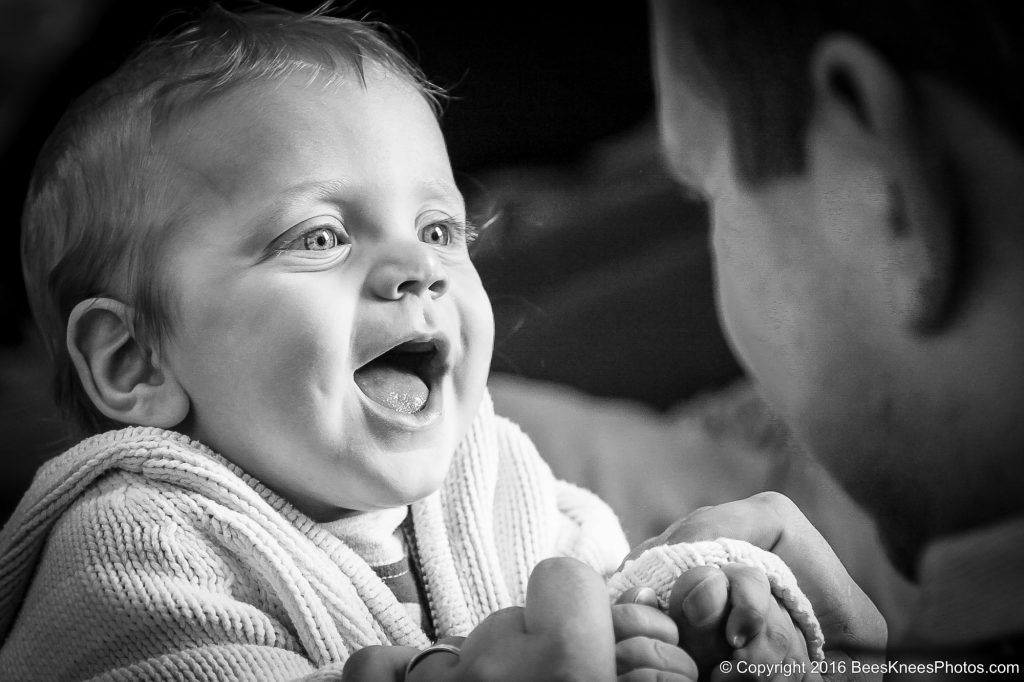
(863, 162)
(251, 234)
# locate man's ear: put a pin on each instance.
(123, 379)
(879, 133)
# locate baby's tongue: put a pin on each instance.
(392, 386)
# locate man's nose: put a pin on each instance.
(408, 268)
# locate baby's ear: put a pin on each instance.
(122, 378)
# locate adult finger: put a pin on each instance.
(644, 652)
(637, 620)
(500, 648)
(378, 664)
(438, 665)
(567, 614)
(639, 595)
(568, 598)
(503, 628)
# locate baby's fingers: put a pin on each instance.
(751, 600)
(640, 653)
(699, 605)
(780, 648)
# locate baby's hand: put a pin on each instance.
(646, 641)
(729, 614)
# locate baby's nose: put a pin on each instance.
(408, 268)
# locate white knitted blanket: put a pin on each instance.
(140, 554)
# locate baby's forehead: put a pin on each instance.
(218, 140)
(179, 105)
(247, 149)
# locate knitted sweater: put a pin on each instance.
(141, 554)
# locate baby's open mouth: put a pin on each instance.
(400, 378)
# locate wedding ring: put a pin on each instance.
(446, 648)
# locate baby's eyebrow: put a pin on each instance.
(270, 214)
(323, 189)
(280, 203)
(440, 189)
(312, 189)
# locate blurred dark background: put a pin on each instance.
(598, 270)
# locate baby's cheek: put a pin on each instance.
(478, 344)
(477, 323)
(305, 364)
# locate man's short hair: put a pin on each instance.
(753, 56)
(101, 200)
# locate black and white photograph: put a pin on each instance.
(393, 341)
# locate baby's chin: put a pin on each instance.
(393, 500)
(398, 499)
(410, 486)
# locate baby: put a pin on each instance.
(250, 234)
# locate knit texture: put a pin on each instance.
(141, 554)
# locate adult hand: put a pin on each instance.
(563, 633)
(849, 620)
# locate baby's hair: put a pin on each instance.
(99, 206)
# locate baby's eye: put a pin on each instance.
(437, 234)
(320, 239)
(316, 235)
(447, 231)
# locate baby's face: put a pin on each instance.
(332, 334)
